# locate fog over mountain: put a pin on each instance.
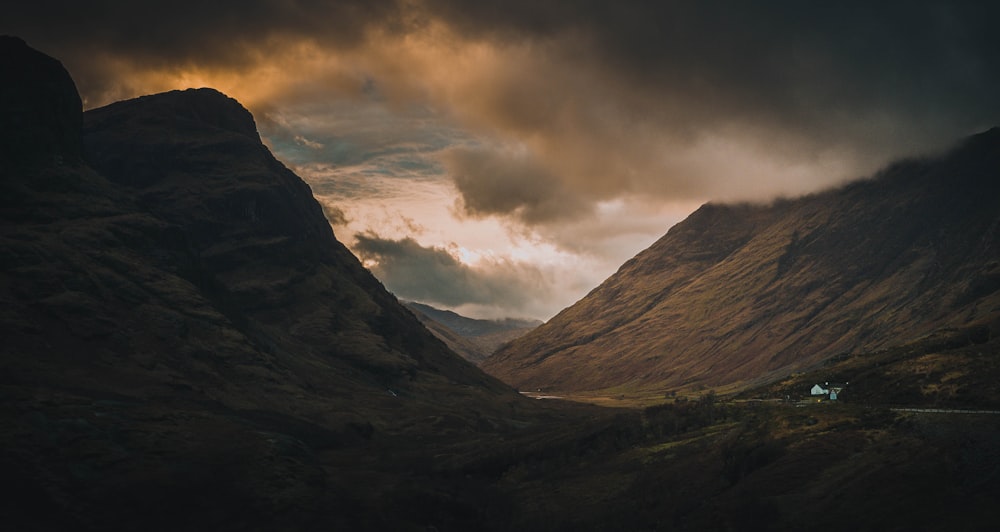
(474, 339)
(740, 294)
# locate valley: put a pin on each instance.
(186, 345)
(474, 339)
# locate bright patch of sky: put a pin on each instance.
(379, 166)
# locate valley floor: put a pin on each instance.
(711, 466)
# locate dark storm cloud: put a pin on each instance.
(608, 98)
(773, 55)
(224, 31)
(510, 183)
(773, 60)
(836, 71)
(434, 275)
(733, 100)
(100, 40)
(570, 113)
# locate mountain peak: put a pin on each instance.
(125, 140)
(40, 109)
(205, 106)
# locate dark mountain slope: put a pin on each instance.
(737, 294)
(186, 344)
(248, 233)
(41, 111)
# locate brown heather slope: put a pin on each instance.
(737, 295)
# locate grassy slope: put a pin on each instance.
(949, 369)
(699, 466)
(739, 295)
(766, 464)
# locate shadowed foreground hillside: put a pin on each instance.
(737, 295)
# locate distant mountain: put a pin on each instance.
(474, 339)
(186, 344)
(742, 294)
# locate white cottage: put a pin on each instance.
(819, 390)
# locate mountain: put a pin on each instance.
(185, 342)
(474, 339)
(471, 327)
(737, 295)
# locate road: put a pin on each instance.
(944, 411)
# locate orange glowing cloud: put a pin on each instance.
(583, 127)
(611, 101)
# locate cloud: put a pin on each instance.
(335, 215)
(539, 115)
(779, 61)
(434, 275)
(605, 97)
(510, 183)
(311, 144)
(225, 32)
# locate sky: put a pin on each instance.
(502, 158)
